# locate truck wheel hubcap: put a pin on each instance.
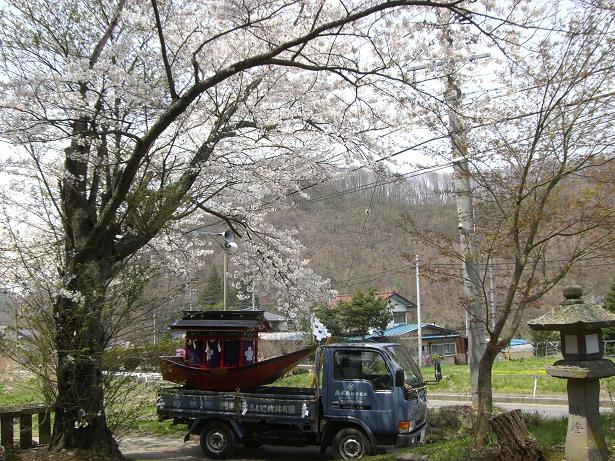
(216, 441)
(352, 448)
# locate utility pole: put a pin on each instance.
(418, 312)
(465, 219)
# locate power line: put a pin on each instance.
(361, 188)
(378, 183)
(363, 279)
(354, 256)
(374, 275)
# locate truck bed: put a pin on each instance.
(284, 404)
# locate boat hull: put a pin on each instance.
(230, 379)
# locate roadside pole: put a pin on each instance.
(225, 288)
(465, 219)
(418, 313)
(475, 314)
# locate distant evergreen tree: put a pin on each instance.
(361, 315)
(233, 301)
(609, 304)
(327, 315)
(364, 313)
(212, 296)
(542, 336)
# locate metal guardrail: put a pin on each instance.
(24, 417)
(550, 348)
(547, 349)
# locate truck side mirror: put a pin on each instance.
(438, 370)
(400, 378)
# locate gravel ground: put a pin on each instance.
(174, 449)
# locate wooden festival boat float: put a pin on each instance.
(221, 352)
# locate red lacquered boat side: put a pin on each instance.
(230, 379)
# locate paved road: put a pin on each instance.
(549, 411)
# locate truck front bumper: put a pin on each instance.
(413, 438)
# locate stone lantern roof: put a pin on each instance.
(573, 313)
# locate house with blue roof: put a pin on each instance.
(450, 345)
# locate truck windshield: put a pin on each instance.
(401, 358)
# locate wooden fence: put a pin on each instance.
(24, 417)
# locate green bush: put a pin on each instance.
(139, 358)
(450, 422)
(608, 386)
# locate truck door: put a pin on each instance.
(359, 384)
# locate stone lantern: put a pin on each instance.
(580, 326)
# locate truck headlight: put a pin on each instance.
(406, 426)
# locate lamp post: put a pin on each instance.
(580, 326)
(230, 248)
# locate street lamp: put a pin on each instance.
(229, 247)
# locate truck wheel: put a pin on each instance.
(350, 443)
(217, 440)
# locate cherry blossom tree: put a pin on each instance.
(132, 123)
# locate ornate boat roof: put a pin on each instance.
(222, 321)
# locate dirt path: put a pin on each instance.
(173, 448)
(160, 447)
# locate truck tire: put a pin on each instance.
(217, 440)
(350, 443)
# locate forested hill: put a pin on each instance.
(353, 231)
(354, 234)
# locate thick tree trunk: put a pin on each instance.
(516, 443)
(485, 396)
(80, 420)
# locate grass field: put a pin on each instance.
(509, 377)
(20, 394)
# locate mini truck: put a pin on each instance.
(367, 396)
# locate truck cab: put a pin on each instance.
(372, 390)
(365, 396)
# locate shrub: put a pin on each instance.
(139, 358)
(608, 385)
(450, 422)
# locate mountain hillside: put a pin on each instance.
(354, 234)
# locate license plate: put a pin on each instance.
(422, 436)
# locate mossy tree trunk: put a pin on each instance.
(80, 420)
